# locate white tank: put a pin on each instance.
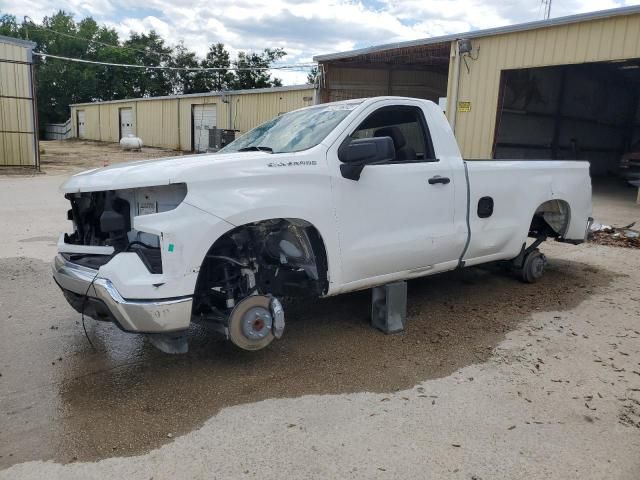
(131, 143)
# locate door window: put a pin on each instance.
(407, 128)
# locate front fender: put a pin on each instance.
(186, 233)
(300, 194)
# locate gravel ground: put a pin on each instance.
(491, 379)
(58, 157)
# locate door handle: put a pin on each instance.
(439, 179)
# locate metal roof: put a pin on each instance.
(581, 17)
(205, 94)
(17, 41)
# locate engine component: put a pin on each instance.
(278, 318)
(251, 323)
(116, 221)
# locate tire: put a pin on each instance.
(533, 267)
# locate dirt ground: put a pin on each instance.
(58, 157)
(491, 379)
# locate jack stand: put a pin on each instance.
(169, 343)
(389, 307)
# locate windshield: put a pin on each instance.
(294, 131)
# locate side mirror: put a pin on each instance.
(356, 153)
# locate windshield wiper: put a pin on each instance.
(257, 148)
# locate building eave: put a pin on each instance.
(17, 41)
(581, 17)
(205, 94)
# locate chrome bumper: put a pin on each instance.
(99, 299)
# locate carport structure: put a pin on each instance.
(565, 88)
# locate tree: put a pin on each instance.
(8, 26)
(150, 50)
(312, 76)
(218, 57)
(260, 76)
(185, 81)
(61, 83)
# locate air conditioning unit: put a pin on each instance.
(219, 138)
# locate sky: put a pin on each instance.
(302, 28)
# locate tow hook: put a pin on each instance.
(277, 312)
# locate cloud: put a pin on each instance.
(302, 28)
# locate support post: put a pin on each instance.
(389, 307)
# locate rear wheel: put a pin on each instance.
(532, 267)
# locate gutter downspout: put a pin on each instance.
(456, 87)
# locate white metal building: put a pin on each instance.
(185, 122)
(18, 111)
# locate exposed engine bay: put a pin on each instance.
(105, 219)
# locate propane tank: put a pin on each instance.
(131, 143)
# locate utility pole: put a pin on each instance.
(547, 9)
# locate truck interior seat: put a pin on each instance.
(403, 151)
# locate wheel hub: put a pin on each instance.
(537, 266)
(256, 323)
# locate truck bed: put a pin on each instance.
(518, 188)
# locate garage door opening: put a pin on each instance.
(203, 120)
(417, 71)
(570, 112)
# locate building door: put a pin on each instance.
(203, 120)
(80, 121)
(126, 122)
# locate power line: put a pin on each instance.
(188, 69)
(90, 40)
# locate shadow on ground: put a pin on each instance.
(67, 402)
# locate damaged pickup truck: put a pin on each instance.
(317, 202)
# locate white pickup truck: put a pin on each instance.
(320, 201)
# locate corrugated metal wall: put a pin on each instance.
(167, 122)
(18, 136)
(615, 38)
(344, 83)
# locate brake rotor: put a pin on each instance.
(251, 323)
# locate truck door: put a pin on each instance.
(399, 216)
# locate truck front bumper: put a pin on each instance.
(97, 298)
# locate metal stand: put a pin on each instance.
(389, 307)
(169, 343)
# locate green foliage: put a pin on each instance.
(218, 57)
(256, 78)
(61, 83)
(312, 75)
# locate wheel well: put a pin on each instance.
(285, 257)
(551, 219)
